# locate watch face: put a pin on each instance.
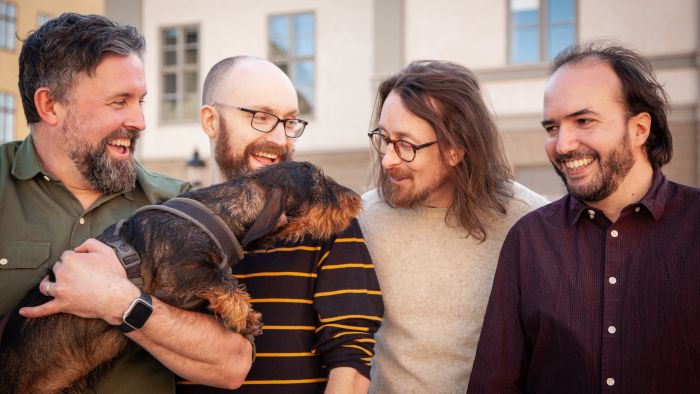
(137, 315)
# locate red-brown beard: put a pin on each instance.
(232, 165)
(410, 198)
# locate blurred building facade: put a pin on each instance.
(336, 52)
(17, 19)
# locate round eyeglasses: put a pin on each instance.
(265, 122)
(405, 150)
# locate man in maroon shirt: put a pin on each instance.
(600, 291)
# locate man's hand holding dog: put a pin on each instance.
(90, 283)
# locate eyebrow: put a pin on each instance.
(585, 111)
(399, 134)
(265, 108)
(125, 95)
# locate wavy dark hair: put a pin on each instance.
(447, 95)
(64, 46)
(641, 92)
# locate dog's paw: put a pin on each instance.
(253, 323)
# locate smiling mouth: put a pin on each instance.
(121, 145)
(578, 163)
(266, 156)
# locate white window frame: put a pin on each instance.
(543, 30)
(287, 62)
(181, 97)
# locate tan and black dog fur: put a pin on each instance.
(179, 265)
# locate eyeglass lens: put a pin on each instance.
(267, 122)
(402, 148)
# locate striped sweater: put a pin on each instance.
(321, 306)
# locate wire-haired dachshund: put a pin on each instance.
(181, 264)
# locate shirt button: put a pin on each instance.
(612, 280)
(610, 381)
(591, 213)
(636, 209)
(82, 220)
(612, 329)
(46, 178)
(614, 233)
(3, 261)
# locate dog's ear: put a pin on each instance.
(266, 221)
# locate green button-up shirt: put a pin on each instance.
(40, 218)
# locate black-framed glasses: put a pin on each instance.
(265, 122)
(405, 150)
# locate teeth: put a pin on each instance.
(121, 142)
(266, 155)
(576, 164)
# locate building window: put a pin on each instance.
(42, 18)
(7, 117)
(291, 46)
(539, 29)
(179, 74)
(8, 25)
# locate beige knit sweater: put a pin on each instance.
(435, 284)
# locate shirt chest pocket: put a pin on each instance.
(20, 269)
(23, 254)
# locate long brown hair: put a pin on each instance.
(447, 95)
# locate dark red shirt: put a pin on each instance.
(583, 305)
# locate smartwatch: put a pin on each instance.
(138, 312)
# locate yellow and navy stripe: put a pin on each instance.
(321, 306)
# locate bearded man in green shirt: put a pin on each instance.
(82, 85)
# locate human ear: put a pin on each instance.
(209, 120)
(454, 156)
(639, 126)
(48, 108)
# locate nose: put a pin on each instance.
(390, 159)
(135, 120)
(277, 135)
(566, 140)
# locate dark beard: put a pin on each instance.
(232, 165)
(105, 175)
(617, 165)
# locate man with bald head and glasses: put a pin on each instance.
(320, 301)
(434, 225)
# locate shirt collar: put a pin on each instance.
(654, 201)
(27, 164)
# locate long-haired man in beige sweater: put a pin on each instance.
(434, 225)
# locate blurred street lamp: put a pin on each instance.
(196, 170)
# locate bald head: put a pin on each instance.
(227, 71)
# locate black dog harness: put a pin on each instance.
(186, 208)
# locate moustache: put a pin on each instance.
(267, 147)
(121, 133)
(398, 173)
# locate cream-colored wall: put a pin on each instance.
(27, 11)
(343, 66)
(681, 85)
(474, 33)
(515, 96)
(655, 27)
(471, 32)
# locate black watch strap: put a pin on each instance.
(138, 312)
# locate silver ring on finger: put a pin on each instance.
(47, 288)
